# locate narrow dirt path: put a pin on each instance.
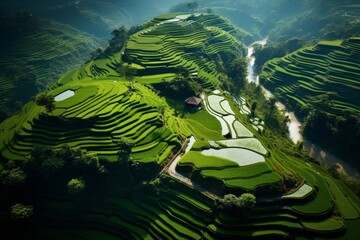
(171, 170)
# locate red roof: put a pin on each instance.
(193, 100)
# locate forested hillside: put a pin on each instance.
(35, 52)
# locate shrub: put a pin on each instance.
(242, 205)
(76, 186)
(230, 201)
(247, 201)
(21, 212)
(13, 178)
(47, 101)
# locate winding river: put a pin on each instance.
(294, 124)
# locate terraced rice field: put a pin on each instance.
(172, 40)
(95, 119)
(227, 159)
(331, 68)
(217, 162)
(105, 108)
(302, 192)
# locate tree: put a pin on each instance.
(230, 201)
(182, 73)
(127, 72)
(243, 204)
(124, 150)
(21, 212)
(13, 178)
(47, 101)
(96, 53)
(236, 70)
(118, 40)
(247, 201)
(51, 166)
(153, 186)
(76, 186)
(33, 166)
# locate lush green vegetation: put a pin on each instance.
(321, 84)
(89, 168)
(168, 42)
(35, 52)
(96, 118)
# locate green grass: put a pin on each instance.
(347, 210)
(206, 119)
(327, 226)
(200, 161)
(160, 48)
(249, 171)
(322, 204)
(82, 95)
(202, 132)
(302, 192)
(252, 183)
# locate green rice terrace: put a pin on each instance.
(330, 68)
(321, 83)
(194, 160)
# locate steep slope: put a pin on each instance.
(97, 110)
(167, 43)
(100, 105)
(35, 54)
(96, 118)
(321, 19)
(175, 40)
(322, 78)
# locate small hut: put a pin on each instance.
(193, 102)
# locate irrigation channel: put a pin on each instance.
(294, 124)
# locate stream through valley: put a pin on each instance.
(294, 124)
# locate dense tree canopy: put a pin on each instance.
(246, 201)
